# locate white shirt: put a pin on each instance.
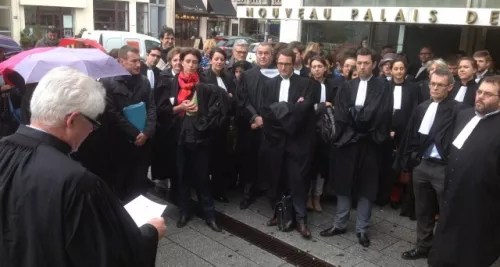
(297, 71)
(151, 78)
(461, 94)
(323, 93)
(428, 120)
(284, 87)
(398, 94)
(221, 84)
(361, 95)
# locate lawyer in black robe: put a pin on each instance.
(68, 206)
(465, 88)
(467, 233)
(249, 99)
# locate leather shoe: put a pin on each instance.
(245, 203)
(415, 254)
(303, 229)
(222, 199)
(213, 225)
(272, 222)
(363, 239)
(183, 221)
(332, 231)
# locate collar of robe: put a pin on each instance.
(270, 73)
(470, 82)
(45, 138)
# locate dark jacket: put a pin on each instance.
(156, 73)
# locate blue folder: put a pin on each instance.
(136, 114)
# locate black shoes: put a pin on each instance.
(363, 239)
(303, 229)
(213, 225)
(245, 203)
(415, 254)
(272, 222)
(221, 198)
(183, 221)
(332, 231)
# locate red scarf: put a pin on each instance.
(186, 84)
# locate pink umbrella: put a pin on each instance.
(8, 65)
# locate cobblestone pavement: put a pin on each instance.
(197, 245)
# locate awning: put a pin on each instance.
(194, 7)
(221, 8)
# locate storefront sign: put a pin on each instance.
(446, 16)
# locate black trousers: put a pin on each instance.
(222, 167)
(193, 170)
(250, 147)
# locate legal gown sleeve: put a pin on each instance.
(100, 233)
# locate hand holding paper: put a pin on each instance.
(142, 210)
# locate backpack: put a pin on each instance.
(285, 214)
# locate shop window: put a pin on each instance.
(111, 15)
(142, 18)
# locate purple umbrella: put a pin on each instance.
(8, 45)
(90, 61)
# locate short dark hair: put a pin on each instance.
(153, 48)
(114, 52)
(471, 60)
(444, 73)
(166, 31)
(216, 50)
(123, 52)
(452, 60)
(399, 59)
(190, 51)
(174, 51)
(242, 64)
(287, 52)
(481, 53)
(366, 52)
(495, 80)
(52, 29)
(297, 45)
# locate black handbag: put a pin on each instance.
(285, 214)
(327, 126)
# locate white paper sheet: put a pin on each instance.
(142, 210)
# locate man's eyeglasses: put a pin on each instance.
(438, 85)
(95, 124)
(240, 52)
(284, 64)
(486, 94)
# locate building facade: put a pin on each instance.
(446, 25)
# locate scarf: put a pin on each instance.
(186, 84)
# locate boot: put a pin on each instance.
(310, 205)
(317, 204)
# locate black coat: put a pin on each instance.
(468, 233)
(156, 73)
(409, 101)
(470, 95)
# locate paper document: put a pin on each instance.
(142, 210)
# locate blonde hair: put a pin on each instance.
(312, 46)
(209, 45)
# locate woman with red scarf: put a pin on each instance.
(194, 126)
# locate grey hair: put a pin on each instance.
(240, 42)
(439, 62)
(64, 90)
(266, 44)
(445, 73)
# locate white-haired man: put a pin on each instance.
(54, 212)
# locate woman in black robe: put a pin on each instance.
(406, 95)
(464, 90)
(200, 109)
(163, 160)
(222, 168)
(323, 99)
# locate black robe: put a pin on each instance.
(289, 133)
(470, 94)
(409, 101)
(359, 135)
(468, 233)
(56, 213)
(414, 144)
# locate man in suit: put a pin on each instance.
(149, 68)
(419, 71)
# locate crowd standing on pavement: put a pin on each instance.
(300, 121)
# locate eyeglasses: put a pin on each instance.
(284, 64)
(486, 94)
(95, 124)
(240, 52)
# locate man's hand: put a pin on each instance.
(5, 87)
(328, 104)
(258, 120)
(254, 126)
(230, 95)
(192, 108)
(159, 224)
(393, 134)
(141, 139)
(301, 99)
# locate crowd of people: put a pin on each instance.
(423, 137)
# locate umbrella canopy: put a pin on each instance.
(8, 45)
(33, 65)
(81, 43)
